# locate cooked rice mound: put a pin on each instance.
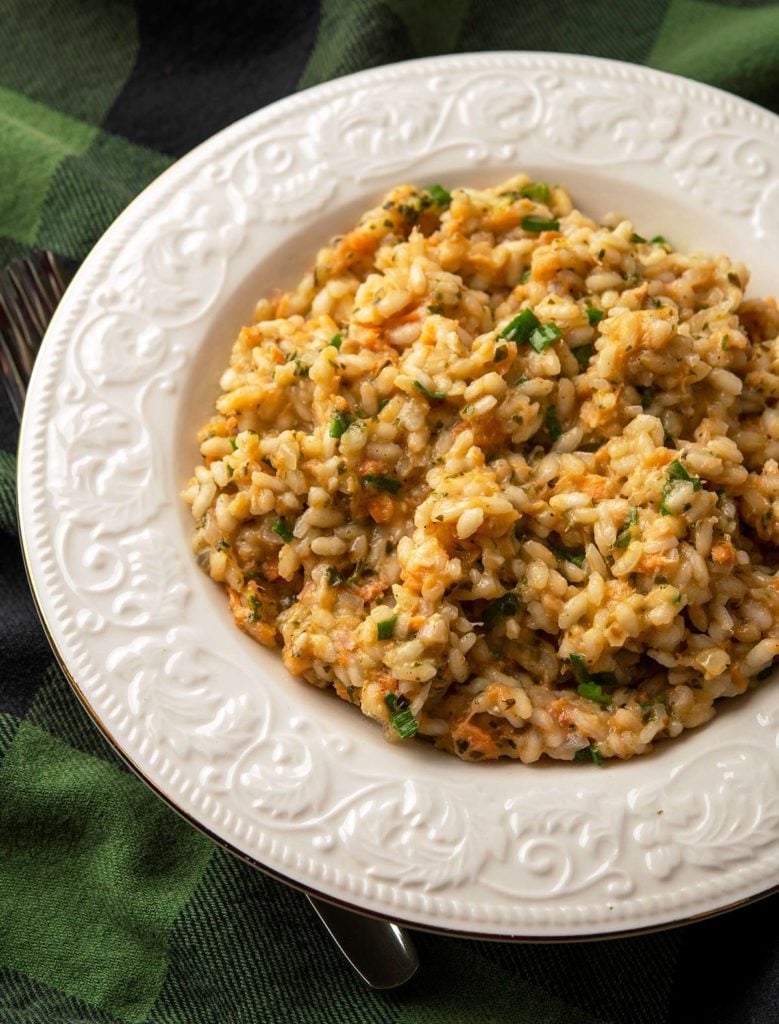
(504, 476)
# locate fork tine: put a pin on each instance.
(22, 340)
(13, 378)
(28, 303)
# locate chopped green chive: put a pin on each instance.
(552, 423)
(590, 753)
(538, 224)
(582, 354)
(390, 484)
(592, 691)
(625, 534)
(594, 316)
(340, 423)
(542, 337)
(359, 571)
(386, 628)
(525, 276)
(435, 395)
(401, 717)
(538, 191)
(636, 238)
(647, 396)
(439, 195)
(575, 555)
(280, 527)
(233, 443)
(521, 327)
(500, 608)
(334, 578)
(336, 341)
(583, 674)
(659, 240)
(676, 471)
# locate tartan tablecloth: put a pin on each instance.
(112, 908)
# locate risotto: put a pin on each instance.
(504, 477)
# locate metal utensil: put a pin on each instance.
(381, 952)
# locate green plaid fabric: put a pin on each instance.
(112, 909)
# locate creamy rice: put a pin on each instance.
(504, 477)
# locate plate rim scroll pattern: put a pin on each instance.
(541, 852)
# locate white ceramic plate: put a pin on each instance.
(285, 774)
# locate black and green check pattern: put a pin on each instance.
(112, 909)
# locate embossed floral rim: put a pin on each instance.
(594, 858)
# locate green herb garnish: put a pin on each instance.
(575, 555)
(334, 578)
(500, 608)
(583, 674)
(676, 472)
(340, 423)
(594, 316)
(401, 716)
(521, 327)
(280, 527)
(592, 691)
(336, 341)
(625, 534)
(538, 191)
(439, 195)
(438, 307)
(552, 423)
(636, 238)
(390, 484)
(542, 337)
(435, 395)
(233, 443)
(524, 276)
(386, 628)
(582, 354)
(254, 607)
(537, 224)
(659, 240)
(590, 753)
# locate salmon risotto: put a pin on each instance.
(504, 477)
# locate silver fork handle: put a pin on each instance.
(381, 952)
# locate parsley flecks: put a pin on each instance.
(592, 691)
(233, 443)
(594, 316)
(386, 628)
(590, 753)
(333, 576)
(358, 572)
(383, 403)
(401, 716)
(254, 607)
(282, 530)
(582, 354)
(435, 395)
(625, 534)
(538, 191)
(535, 224)
(575, 555)
(552, 423)
(390, 484)
(525, 276)
(336, 341)
(543, 336)
(677, 472)
(500, 608)
(636, 239)
(659, 240)
(439, 195)
(340, 423)
(583, 674)
(521, 327)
